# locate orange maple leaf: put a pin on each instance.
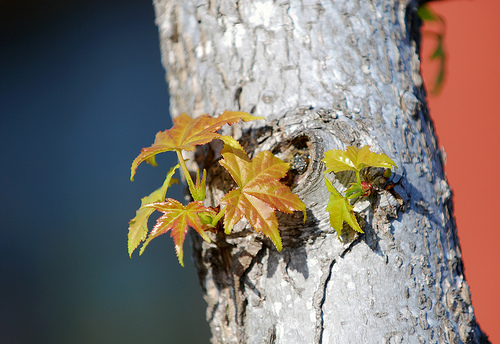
(259, 192)
(178, 218)
(187, 133)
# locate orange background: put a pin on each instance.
(466, 115)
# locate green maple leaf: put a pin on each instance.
(177, 219)
(138, 226)
(355, 159)
(340, 210)
(259, 191)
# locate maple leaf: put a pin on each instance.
(340, 210)
(259, 191)
(187, 133)
(355, 159)
(177, 218)
(138, 226)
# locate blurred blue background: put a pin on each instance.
(82, 90)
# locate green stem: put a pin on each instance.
(219, 216)
(358, 177)
(185, 171)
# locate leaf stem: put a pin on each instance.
(185, 171)
(358, 177)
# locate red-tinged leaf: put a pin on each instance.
(260, 192)
(187, 133)
(340, 210)
(355, 159)
(138, 226)
(177, 219)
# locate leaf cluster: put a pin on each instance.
(259, 190)
(258, 195)
(352, 159)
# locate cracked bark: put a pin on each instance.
(325, 74)
(318, 301)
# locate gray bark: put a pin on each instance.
(325, 74)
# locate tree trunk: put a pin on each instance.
(324, 74)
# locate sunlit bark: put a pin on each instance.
(325, 74)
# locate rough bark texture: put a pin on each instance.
(325, 74)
